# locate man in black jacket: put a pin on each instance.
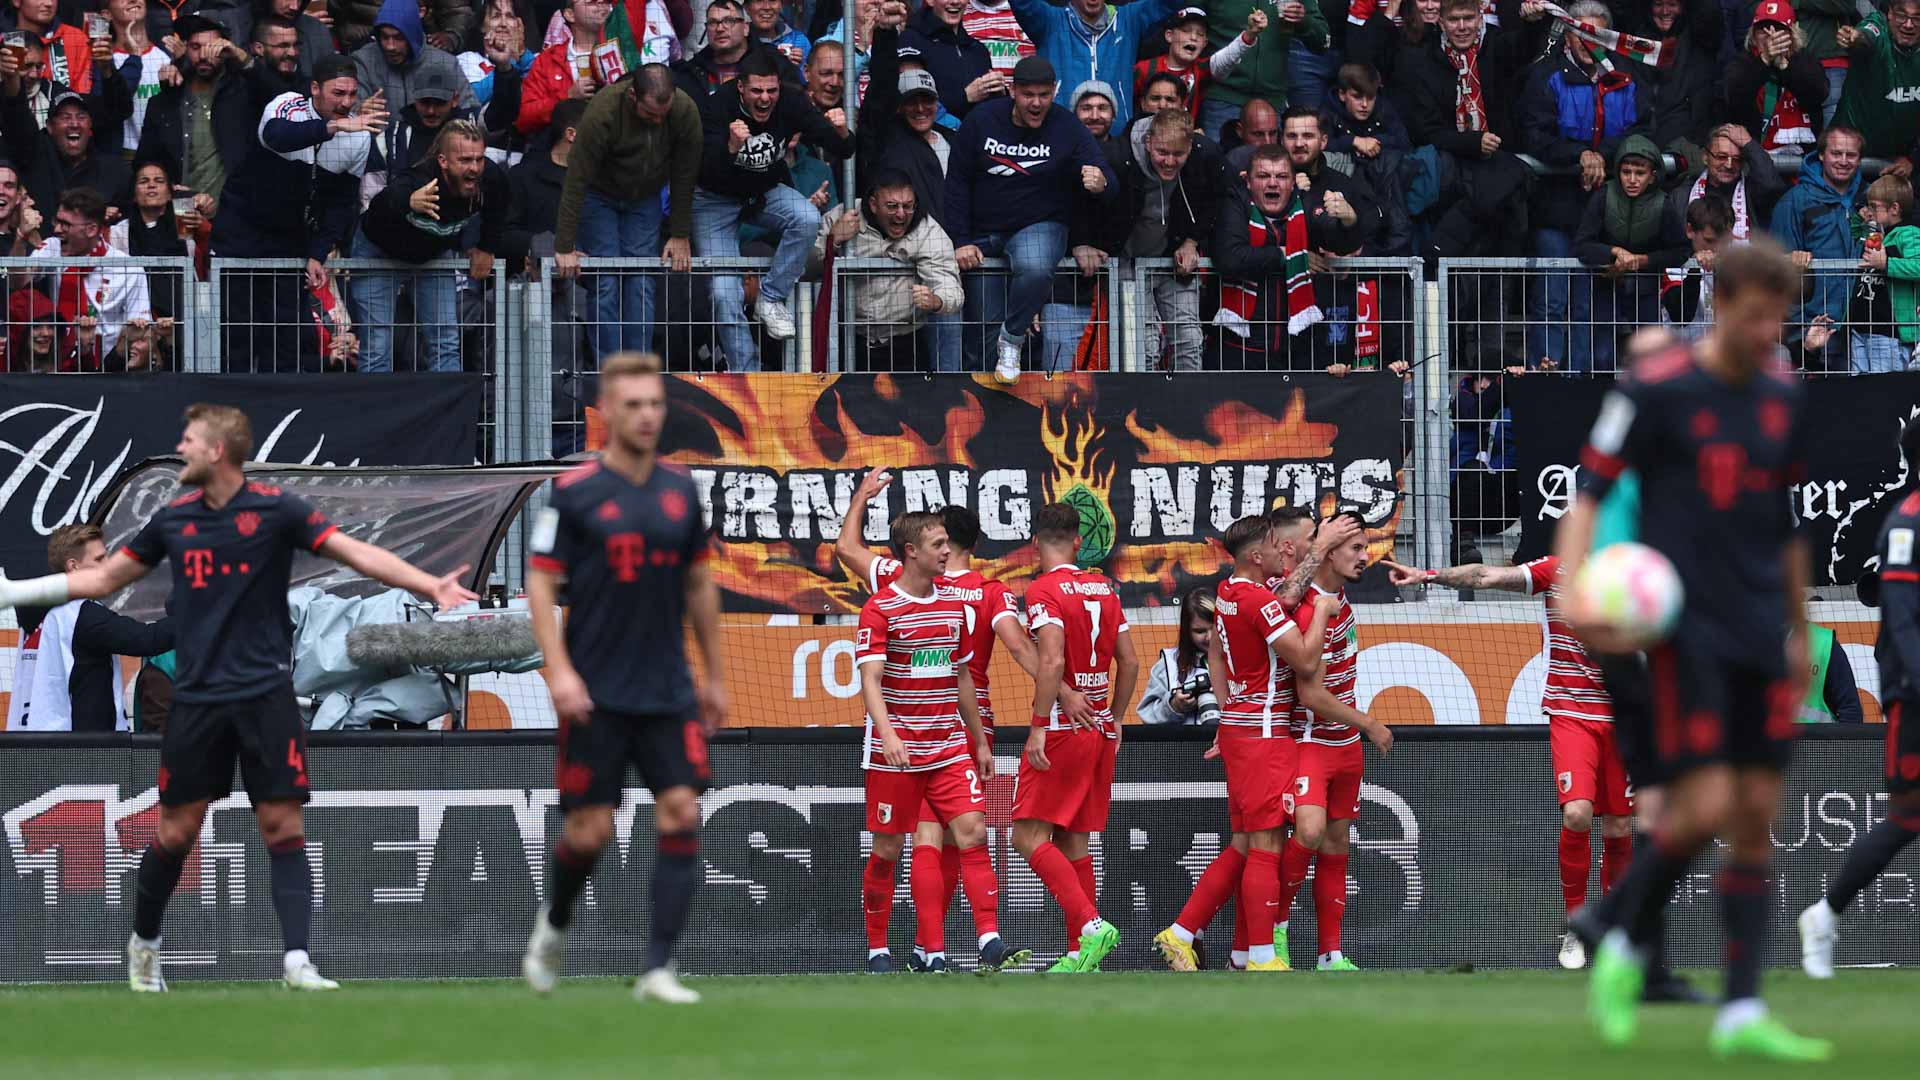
(960, 65)
(67, 675)
(64, 155)
(729, 43)
(221, 88)
(897, 128)
(1268, 323)
(533, 213)
(454, 201)
(744, 177)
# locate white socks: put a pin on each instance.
(1185, 935)
(1260, 954)
(1738, 1014)
(296, 959)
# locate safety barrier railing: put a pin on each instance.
(80, 315)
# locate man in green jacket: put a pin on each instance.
(1882, 95)
(638, 136)
(1262, 71)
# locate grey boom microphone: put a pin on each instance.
(432, 644)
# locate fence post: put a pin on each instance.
(1120, 354)
(202, 355)
(1431, 403)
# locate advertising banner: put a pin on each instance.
(429, 860)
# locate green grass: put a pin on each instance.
(1114, 1027)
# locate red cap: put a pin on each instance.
(1774, 11)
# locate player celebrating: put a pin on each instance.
(1587, 767)
(992, 615)
(924, 742)
(230, 544)
(1066, 776)
(1898, 651)
(1255, 651)
(625, 532)
(1326, 787)
(1716, 433)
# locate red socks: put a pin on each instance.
(1294, 861)
(1330, 898)
(983, 889)
(1083, 871)
(1616, 854)
(1057, 872)
(1260, 887)
(876, 899)
(1575, 858)
(929, 899)
(949, 876)
(1239, 922)
(1211, 892)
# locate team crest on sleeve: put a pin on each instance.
(864, 638)
(247, 522)
(1271, 611)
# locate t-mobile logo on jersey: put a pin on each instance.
(626, 554)
(197, 564)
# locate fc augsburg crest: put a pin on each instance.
(1096, 524)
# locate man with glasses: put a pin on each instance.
(1882, 96)
(729, 41)
(1740, 172)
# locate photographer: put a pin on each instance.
(1172, 691)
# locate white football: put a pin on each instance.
(1634, 590)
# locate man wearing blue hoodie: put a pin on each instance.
(399, 54)
(1092, 39)
(1816, 220)
(1015, 170)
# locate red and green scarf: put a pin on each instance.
(1240, 300)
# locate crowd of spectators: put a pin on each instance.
(1240, 144)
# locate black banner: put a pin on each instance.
(66, 438)
(429, 859)
(1854, 471)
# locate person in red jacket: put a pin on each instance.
(69, 52)
(563, 70)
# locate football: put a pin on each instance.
(1633, 589)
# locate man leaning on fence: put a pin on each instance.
(292, 198)
(1261, 243)
(889, 309)
(638, 139)
(94, 304)
(1817, 220)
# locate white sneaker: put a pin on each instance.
(661, 984)
(143, 968)
(1006, 370)
(541, 965)
(1819, 929)
(1573, 954)
(308, 977)
(773, 315)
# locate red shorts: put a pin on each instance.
(1329, 777)
(927, 813)
(1586, 766)
(1259, 779)
(894, 798)
(1077, 788)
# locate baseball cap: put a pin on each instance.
(1774, 11)
(1034, 70)
(909, 52)
(65, 96)
(435, 83)
(917, 82)
(1187, 15)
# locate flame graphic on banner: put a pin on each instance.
(777, 457)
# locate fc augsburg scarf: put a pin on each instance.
(1240, 300)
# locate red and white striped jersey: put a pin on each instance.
(1575, 689)
(987, 599)
(919, 639)
(1086, 607)
(1340, 664)
(1000, 32)
(1248, 619)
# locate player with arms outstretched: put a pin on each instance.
(626, 535)
(1716, 434)
(924, 743)
(1254, 654)
(1326, 786)
(1065, 784)
(230, 544)
(1898, 651)
(993, 617)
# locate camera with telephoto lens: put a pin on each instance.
(1200, 688)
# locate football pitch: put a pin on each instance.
(1347, 1027)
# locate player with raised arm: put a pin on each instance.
(230, 543)
(1716, 433)
(1326, 786)
(1898, 651)
(625, 532)
(1254, 654)
(992, 616)
(924, 743)
(1065, 783)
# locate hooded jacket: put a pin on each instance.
(954, 58)
(1648, 219)
(1816, 217)
(354, 20)
(378, 75)
(1105, 51)
(882, 304)
(1192, 203)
